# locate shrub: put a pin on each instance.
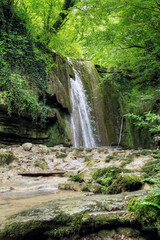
(76, 178)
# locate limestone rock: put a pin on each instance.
(27, 146)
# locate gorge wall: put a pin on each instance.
(103, 97)
(35, 96)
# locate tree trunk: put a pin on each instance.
(62, 16)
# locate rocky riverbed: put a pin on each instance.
(94, 205)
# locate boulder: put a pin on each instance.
(27, 146)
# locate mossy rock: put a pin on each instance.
(108, 172)
(145, 152)
(41, 165)
(6, 158)
(106, 233)
(125, 183)
(86, 188)
(128, 232)
(88, 150)
(95, 188)
(76, 178)
(146, 212)
(61, 155)
(70, 186)
(102, 171)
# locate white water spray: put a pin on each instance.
(80, 118)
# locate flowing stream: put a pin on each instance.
(80, 118)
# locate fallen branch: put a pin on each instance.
(43, 174)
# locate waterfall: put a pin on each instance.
(80, 117)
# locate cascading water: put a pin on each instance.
(80, 118)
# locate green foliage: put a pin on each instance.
(146, 210)
(121, 36)
(157, 155)
(106, 172)
(154, 175)
(113, 182)
(41, 18)
(76, 178)
(21, 68)
(41, 165)
(148, 120)
(6, 158)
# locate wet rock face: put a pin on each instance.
(15, 129)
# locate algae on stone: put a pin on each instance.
(6, 158)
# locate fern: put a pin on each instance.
(151, 204)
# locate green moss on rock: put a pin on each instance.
(124, 183)
(6, 158)
(76, 178)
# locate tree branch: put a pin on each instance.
(64, 13)
(145, 8)
(135, 20)
(134, 46)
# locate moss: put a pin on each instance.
(123, 164)
(66, 186)
(76, 178)
(56, 137)
(150, 168)
(112, 181)
(61, 155)
(95, 188)
(124, 183)
(80, 149)
(6, 158)
(85, 188)
(19, 230)
(61, 232)
(110, 171)
(131, 204)
(145, 152)
(112, 110)
(104, 180)
(100, 150)
(157, 155)
(88, 150)
(109, 157)
(152, 162)
(134, 137)
(41, 165)
(79, 154)
(87, 158)
(76, 186)
(145, 211)
(129, 159)
(64, 127)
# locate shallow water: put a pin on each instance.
(14, 202)
(20, 193)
